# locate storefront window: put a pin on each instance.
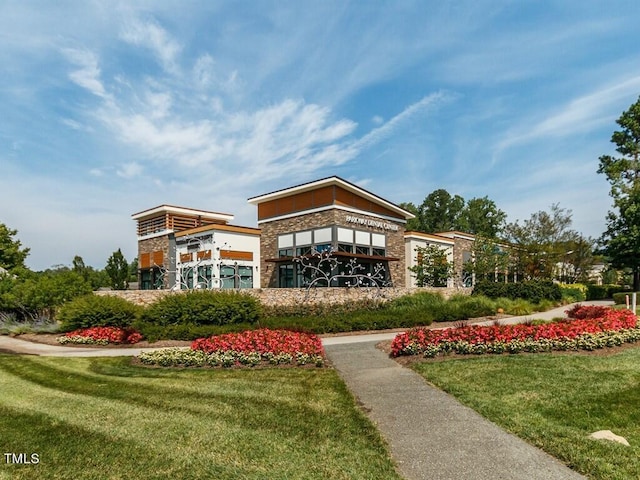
(379, 252)
(345, 247)
(245, 277)
(204, 276)
(227, 276)
(285, 276)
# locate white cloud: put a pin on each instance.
(377, 120)
(88, 75)
(152, 36)
(579, 115)
(384, 131)
(130, 170)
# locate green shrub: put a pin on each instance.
(533, 290)
(620, 298)
(305, 309)
(575, 292)
(186, 331)
(417, 301)
(96, 311)
(597, 292)
(203, 307)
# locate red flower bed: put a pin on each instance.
(610, 320)
(107, 334)
(262, 341)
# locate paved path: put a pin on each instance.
(431, 435)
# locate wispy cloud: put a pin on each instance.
(150, 35)
(580, 115)
(87, 75)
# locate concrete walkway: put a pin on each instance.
(431, 435)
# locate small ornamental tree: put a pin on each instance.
(432, 268)
(489, 260)
(118, 270)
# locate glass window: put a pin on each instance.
(379, 252)
(303, 251)
(245, 275)
(362, 250)
(285, 276)
(227, 276)
(345, 247)
(204, 276)
(323, 248)
(285, 252)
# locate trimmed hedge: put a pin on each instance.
(96, 311)
(602, 292)
(203, 307)
(533, 290)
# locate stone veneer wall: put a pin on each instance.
(156, 244)
(294, 296)
(460, 245)
(271, 230)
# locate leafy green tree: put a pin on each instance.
(11, 254)
(489, 259)
(118, 271)
(621, 240)
(539, 243)
(438, 212)
(133, 270)
(414, 223)
(577, 260)
(432, 268)
(481, 216)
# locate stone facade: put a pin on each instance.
(157, 244)
(294, 296)
(328, 218)
(461, 245)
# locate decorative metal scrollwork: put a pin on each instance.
(324, 269)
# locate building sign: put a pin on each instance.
(367, 222)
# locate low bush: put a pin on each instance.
(602, 292)
(620, 298)
(186, 331)
(305, 309)
(573, 292)
(533, 290)
(203, 307)
(96, 311)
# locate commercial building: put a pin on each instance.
(185, 248)
(361, 231)
(328, 232)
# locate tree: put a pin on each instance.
(539, 243)
(118, 271)
(488, 259)
(481, 216)
(12, 255)
(413, 224)
(621, 240)
(438, 212)
(432, 268)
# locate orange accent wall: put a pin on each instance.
(236, 255)
(321, 197)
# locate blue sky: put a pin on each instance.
(110, 108)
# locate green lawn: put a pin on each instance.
(555, 401)
(105, 419)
